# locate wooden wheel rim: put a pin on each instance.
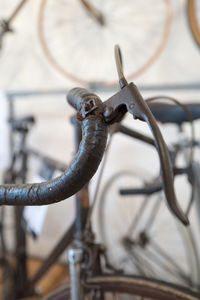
(130, 76)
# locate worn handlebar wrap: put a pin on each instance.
(80, 170)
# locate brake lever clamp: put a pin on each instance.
(129, 99)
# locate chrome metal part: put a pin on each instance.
(75, 257)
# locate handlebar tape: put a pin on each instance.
(78, 96)
(79, 172)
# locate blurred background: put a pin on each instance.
(58, 45)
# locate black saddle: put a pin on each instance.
(170, 113)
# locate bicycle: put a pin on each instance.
(139, 245)
(193, 19)
(132, 24)
(84, 255)
(142, 28)
(16, 275)
(17, 173)
(94, 16)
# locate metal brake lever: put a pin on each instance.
(129, 99)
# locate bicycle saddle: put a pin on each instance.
(22, 124)
(170, 113)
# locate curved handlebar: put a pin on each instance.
(93, 113)
(80, 170)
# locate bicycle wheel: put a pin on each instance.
(142, 237)
(193, 14)
(196, 175)
(79, 45)
(117, 287)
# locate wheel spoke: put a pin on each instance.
(125, 20)
(153, 214)
(136, 260)
(137, 217)
(175, 268)
(144, 263)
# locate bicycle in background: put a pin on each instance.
(87, 276)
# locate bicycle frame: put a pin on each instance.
(20, 272)
(25, 286)
(76, 229)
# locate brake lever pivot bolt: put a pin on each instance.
(108, 111)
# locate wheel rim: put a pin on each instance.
(131, 288)
(58, 64)
(192, 9)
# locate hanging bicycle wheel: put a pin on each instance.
(142, 237)
(118, 287)
(78, 37)
(193, 14)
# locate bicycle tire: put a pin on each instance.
(194, 23)
(140, 258)
(196, 174)
(128, 286)
(62, 64)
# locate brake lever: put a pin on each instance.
(129, 99)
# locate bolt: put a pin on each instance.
(108, 111)
(131, 106)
